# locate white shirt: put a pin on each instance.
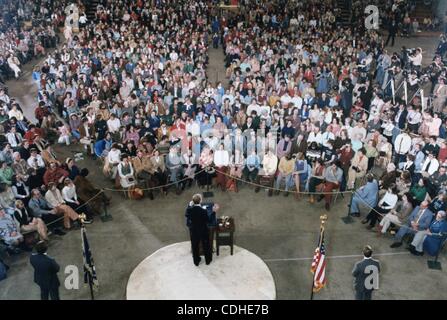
(285, 100)
(221, 158)
(253, 107)
(173, 56)
(407, 165)
(390, 199)
(15, 113)
(414, 117)
(54, 198)
(14, 139)
(402, 144)
(212, 142)
(69, 194)
(318, 138)
(297, 101)
(326, 137)
(358, 133)
(114, 125)
(432, 165)
(114, 156)
(269, 164)
(417, 60)
(82, 19)
(40, 163)
(195, 129)
(87, 132)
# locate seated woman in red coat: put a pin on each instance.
(54, 174)
(33, 133)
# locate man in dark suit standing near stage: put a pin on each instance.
(392, 31)
(45, 272)
(366, 275)
(198, 227)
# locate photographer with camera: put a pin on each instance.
(415, 59)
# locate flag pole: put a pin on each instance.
(82, 218)
(313, 275)
(323, 219)
(90, 284)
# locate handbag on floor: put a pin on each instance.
(136, 193)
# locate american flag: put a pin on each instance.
(89, 265)
(318, 267)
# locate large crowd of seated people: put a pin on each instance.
(28, 29)
(311, 105)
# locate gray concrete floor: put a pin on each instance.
(428, 41)
(216, 69)
(282, 231)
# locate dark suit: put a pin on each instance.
(198, 227)
(392, 30)
(45, 275)
(360, 274)
(402, 119)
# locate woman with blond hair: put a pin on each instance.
(27, 223)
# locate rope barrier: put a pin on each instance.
(353, 192)
(282, 190)
(158, 187)
(82, 205)
(368, 205)
(236, 178)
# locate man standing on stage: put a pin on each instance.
(366, 275)
(197, 217)
(45, 272)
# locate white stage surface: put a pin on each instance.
(170, 274)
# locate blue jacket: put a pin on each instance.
(424, 220)
(419, 161)
(432, 243)
(253, 161)
(369, 193)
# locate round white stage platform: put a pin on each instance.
(170, 274)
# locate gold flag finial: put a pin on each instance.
(82, 217)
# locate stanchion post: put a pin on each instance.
(434, 264)
(348, 219)
(105, 217)
(208, 193)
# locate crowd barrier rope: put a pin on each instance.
(82, 205)
(158, 187)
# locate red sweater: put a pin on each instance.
(442, 155)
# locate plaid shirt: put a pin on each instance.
(7, 226)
